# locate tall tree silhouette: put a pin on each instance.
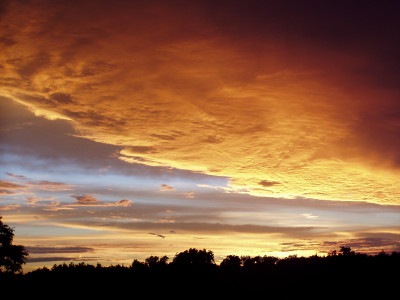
(346, 251)
(156, 263)
(194, 257)
(12, 257)
(231, 263)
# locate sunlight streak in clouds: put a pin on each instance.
(198, 102)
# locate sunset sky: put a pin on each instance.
(138, 128)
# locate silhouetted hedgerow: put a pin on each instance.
(194, 272)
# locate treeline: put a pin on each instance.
(203, 260)
(195, 270)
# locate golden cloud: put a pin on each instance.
(274, 123)
(166, 187)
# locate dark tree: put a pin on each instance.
(231, 263)
(155, 261)
(138, 265)
(194, 257)
(346, 251)
(12, 257)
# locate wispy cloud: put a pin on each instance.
(159, 235)
(46, 249)
(9, 207)
(88, 200)
(166, 188)
(25, 184)
(11, 188)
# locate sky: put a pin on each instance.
(138, 128)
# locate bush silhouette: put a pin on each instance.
(12, 257)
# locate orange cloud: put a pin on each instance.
(123, 202)
(9, 207)
(10, 185)
(166, 187)
(88, 200)
(26, 186)
(188, 195)
(277, 116)
(12, 188)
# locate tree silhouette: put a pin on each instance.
(194, 257)
(194, 271)
(155, 262)
(231, 263)
(12, 257)
(346, 251)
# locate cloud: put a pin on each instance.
(49, 259)
(159, 235)
(33, 199)
(12, 188)
(189, 195)
(9, 207)
(212, 228)
(10, 185)
(266, 183)
(39, 144)
(48, 250)
(24, 183)
(166, 187)
(368, 244)
(7, 192)
(51, 186)
(86, 199)
(123, 202)
(21, 177)
(259, 93)
(61, 97)
(309, 216)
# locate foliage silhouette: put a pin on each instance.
(194, 272)
(346, 251)
(231, 263)
(194, 257)
(12, 257)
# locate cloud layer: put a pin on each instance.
(253, 93)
